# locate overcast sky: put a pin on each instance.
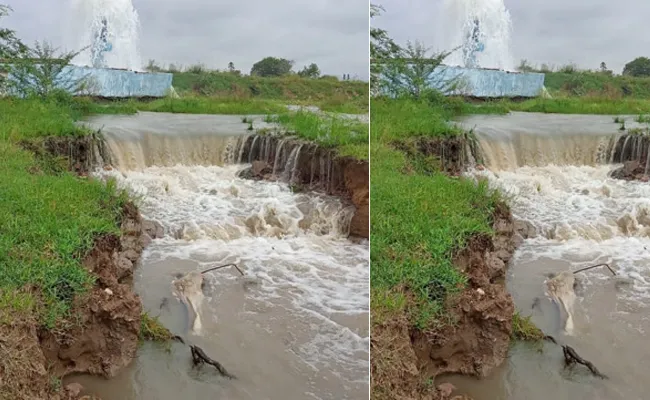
(331, 33)
(584, 32)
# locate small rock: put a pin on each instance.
(260, 168)
(630, 166)
(480, 291)
(74, 389)
(108, 291)
(446, 389)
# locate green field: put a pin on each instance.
(328, 93)
(49, 218)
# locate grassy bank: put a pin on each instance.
(348, 137)
(573, 82)
(48, 217)
(567, 105)
(328, 93)
(419, 217)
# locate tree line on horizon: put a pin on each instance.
(266, 67)
(638, 68)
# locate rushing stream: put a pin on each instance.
(555, 171)
(295, 327)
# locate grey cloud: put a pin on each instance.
(331, 33)
(555, 32)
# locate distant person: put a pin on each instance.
(472, 45)
(100, 45)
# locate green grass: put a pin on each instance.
(328, 93)
(152, 330)
(419, 219)
(212, 105)
(47, 222)
(569, 105)
(523, 329)
(588, 83)
(349, 137)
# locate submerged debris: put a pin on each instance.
(199, 357)
(571, 357)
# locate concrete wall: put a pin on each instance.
(116, 83)
(113, 83)
(487, 83)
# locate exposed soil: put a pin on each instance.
(631, 171)
(312, 168)
(405, 361)
(102, 337)
(447, 155)
(76, 154)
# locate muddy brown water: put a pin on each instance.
(555, 171)
(296, 327)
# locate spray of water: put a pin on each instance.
(107, 30)
(481, 30)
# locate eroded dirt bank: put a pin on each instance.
(101, 337)
(308, 166)
(405, 361)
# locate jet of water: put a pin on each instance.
(107, 30)
(481, 30)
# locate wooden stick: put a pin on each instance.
(570, 357)
(224, 266)
(596, 266)
(199, 357)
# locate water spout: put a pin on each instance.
(481, 30)
(107, 30)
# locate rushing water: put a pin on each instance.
(557, 179)
(296, 327)
(488, 20)
(84, 24)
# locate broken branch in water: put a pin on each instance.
(596, 266)
(570, 357)
(199, 357)
(178, 339)
(550, 338)
(223, 266)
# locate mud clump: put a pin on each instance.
(102, 336)
(478, 337)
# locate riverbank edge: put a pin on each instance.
(316, 169)
(103, 336)
(406, 360)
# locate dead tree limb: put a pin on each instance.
(571, 357)
(178, 339)
(223, 266)
(550, 338)
(596, 266)
(199, 357)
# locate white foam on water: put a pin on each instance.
(584, 217)
(294, 245)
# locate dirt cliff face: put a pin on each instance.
(405, 360)
(102, 337)
(311, 167)
(105, 337)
